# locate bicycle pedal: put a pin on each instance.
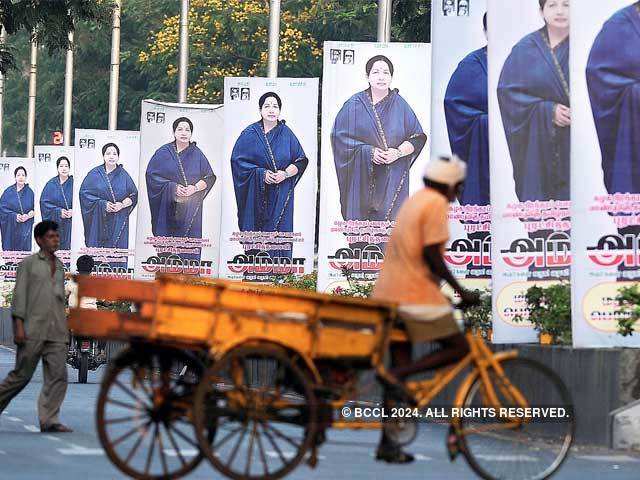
(453, 444)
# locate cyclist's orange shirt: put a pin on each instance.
(405, 278)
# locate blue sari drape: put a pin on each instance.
(262, 207)
(16, 236)
(530, 86)
(53, 199)
(172, 216)
(369, 191)
(613, 80)
(466, 111)
(103, 229)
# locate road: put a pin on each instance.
(25, 453)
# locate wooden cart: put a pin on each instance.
(232, 371)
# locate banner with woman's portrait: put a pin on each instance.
(460, 125)
(375, 121)
(530, 122)
(270, 178)
(53, 186)
(17, 212)
(179, 223)
(605, 150)
(105, 199)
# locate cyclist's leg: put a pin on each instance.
(452, 349)
(401, 356)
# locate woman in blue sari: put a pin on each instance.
(179, 178)
(613, 79)
(108, 195)
(467, 114)
(16, 214)
(376, 138)
(533, 93)
(56, 201)
(267, 162)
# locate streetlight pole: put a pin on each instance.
(183, 64)
(385, 9)
(68, 93)
(31, 120)
(3, 41)
(114, 79)
(274, 38)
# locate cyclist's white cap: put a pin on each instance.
(446, 170)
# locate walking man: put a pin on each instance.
(40, 329)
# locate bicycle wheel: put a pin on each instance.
(515, 449)
(144, 413)
(264, 423)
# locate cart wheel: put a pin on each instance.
(264, 424)
(145, 410)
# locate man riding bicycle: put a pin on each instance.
(413, 269)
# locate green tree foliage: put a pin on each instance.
(411, 21)
(49, 20)
(228, 37)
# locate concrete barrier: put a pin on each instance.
(625, 427)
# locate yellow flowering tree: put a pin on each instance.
(230, 38)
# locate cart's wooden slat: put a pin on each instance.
(108, 324)
(335, 342)
(188, 323)
(292, 293)
(116, 290)
(232, 328)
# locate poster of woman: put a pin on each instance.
(179, 212)
(375, 124)
(460, 119)
(270, 168)
(605, 82)
(105, 198)
(53, 185)
(17, 212)
(529, 124)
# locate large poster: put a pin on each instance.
(179, 219)
(53, 186)
(269, 170)
(605, 76)
(105, 196)
(530, 122)
(375, 121)
(460, 125)
(17, 212)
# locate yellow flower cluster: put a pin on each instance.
(166, 39)
(197, 92)
(235, 21)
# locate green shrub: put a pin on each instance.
(550, 311)
(481, 317)
(629, 299)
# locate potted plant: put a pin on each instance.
(481, 317)
(550, 312)
(629, 300)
